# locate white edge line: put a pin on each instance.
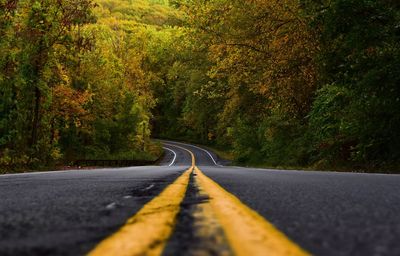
(173, 160)
(212, 158)
(81, 171)
(35, 173)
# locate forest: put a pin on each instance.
(277, 83)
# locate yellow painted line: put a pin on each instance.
(147, 232)
(187, 150)
(247, 232)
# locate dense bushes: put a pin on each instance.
(356, 112)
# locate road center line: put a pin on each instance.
(209, 154)
(247, 232)
(147, 232)
(187, 150)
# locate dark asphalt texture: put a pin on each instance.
(327, 213)
(69, 212)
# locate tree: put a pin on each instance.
(356, 112)
(40, 30)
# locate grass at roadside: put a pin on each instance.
(228, 154)
(221, 153)
(153, 152)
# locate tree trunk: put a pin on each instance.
(36, 118)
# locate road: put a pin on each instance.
(86, 211)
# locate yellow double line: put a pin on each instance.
(147, 232)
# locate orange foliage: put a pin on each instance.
(69, 104)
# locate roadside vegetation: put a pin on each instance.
(272, 82)
(75, 82)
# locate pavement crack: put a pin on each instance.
(197, 231)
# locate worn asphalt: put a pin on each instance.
(326, 213)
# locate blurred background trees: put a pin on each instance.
(74, 82)
(277, 83)
(292, 83)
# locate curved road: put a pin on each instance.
(326, 213)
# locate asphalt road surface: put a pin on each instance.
(70, 212)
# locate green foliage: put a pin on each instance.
(279, 82)
(288, 82)
(32, 49)
(330, 124)
(74, 81)
(356, 113)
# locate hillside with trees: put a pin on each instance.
(274, 82)
(75, 81)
